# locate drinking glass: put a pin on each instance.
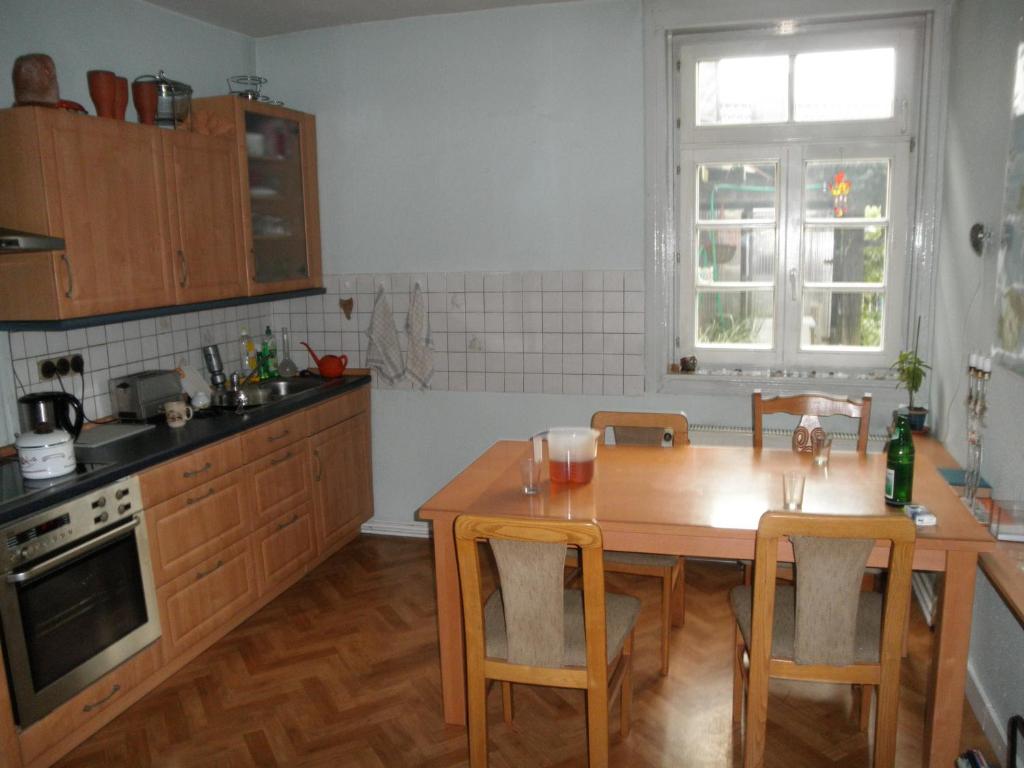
(793, 490)
(821, 448)
(529, 473)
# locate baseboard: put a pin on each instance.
(410, 530)
(988, 718)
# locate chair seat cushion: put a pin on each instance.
(869, 621)
(620, 612)
(635, 558)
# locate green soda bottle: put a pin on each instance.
(899, 466)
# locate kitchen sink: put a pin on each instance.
(285, 387)
(267, 392)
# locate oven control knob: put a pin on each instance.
(23, 553)
(102, 517)
(121, 493)
(100, 502)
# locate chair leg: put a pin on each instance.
(476, 701)
(865, 707)
(679, 593)
(597, 724)
(506, 700)
(666, 618)
(757, 716)
(886, 710)
(737, 677)
(626, 691)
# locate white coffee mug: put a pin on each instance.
(177, 413)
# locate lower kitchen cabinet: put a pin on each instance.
(284, 547)
(280, 482)
(342, 479)
(205, 598)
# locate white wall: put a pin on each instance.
(985, 38)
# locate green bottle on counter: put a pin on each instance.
(899, 466)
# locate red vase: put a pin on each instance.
(145, 96)
(103, 91)
(121, 98)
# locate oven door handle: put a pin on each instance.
(46, 566)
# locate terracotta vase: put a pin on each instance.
(145, 95)
(121, 98)
(103, 91)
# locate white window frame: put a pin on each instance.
(663, 20)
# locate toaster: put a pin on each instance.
(141, 396)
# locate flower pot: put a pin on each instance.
(121, 98)
(145, 95)
(917, 418)
(103, 91)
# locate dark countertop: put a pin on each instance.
(138, 452)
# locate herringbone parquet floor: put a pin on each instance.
(342, 671)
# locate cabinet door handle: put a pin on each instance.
(184, 268)
(196, 472)
(104, 700)
(287, 456)
(275, 438)
(282, 526)
(71, 277)
(204, 574)
(319, 465)
(190, 501)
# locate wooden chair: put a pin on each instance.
(532, 630)
(631, 428)
(810, 406)
(824, 628)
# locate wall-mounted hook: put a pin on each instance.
(979, 238)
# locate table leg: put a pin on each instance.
(944, 716)
(449, 623)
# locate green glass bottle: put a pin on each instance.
(899, 466)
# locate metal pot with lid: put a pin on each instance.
(174, 99)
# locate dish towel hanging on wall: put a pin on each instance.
(383, 351)
(419, 362)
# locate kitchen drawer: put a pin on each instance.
(339, 409)
(271, 437)
(102, 699)
(201, 600)
(280, 481)
(284, 547)
(189, 528)
(186, 472)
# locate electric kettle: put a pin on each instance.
(57, 409)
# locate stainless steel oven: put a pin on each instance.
(76, 595)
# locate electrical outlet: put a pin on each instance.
(65, 365)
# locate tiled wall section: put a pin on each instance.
(550, 332)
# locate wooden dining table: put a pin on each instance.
(705, 501)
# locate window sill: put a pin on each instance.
(722, 380)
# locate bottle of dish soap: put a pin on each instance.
(269, 354)
(247, 364)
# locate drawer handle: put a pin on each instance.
(190, 501)
(71, 278)
(184, 268)
(282, 526)
(195, 472)
(204, 574)
(275, 438)
(282, 458)
(104, 700)
(319, 466)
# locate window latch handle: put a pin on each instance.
(792, 284)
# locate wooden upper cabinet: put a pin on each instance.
(99, 184)
(203, 201)
(278, 182)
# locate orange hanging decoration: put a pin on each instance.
(840, 189)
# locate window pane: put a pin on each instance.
(835, 189)
(844, 85)
(848, 255)
(736, 191)
(740, 254)
(735, 317)
(835, 318)
(742, 91)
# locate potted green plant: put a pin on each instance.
(911, 370)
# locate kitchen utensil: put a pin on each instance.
(793, 490)
(571, 454)
(214, 365)
(331, 366)
(174, 99)
(248, 87)
(35, 80)
(45, 452)
(821, 448)
(177, 413)
(102, 91)
(529, 473)
(144, 96)
(141, 396)
(286, 368)
(58, 409)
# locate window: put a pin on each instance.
(793, 165)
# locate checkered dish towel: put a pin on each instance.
(419, 360)
(383, 351)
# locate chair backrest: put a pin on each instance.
(531, 558)
(830, 553)
(635, 428)
(810, 406)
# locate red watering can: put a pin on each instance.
(331, 366)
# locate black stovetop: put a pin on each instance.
(14, 487)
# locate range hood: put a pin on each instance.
(14, 241)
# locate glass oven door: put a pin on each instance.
(70, 619)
